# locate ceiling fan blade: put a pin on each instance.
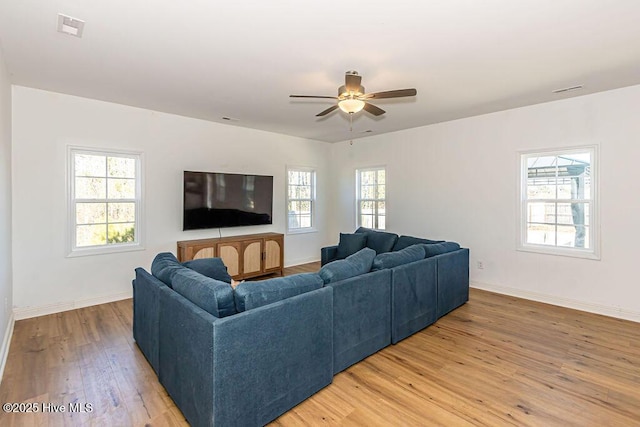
(376, 111)
(313, 96)
(327, 111)
(352, 82)
(390, 94)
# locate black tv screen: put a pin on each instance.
(213, 200)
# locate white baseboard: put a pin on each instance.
(29, 312)
(560, 301)
(6, 342)
(295, 262)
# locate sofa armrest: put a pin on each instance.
(361, 317)
(414, 298)
(453, 280)
(328, 254)
(146, 314)
(248, 368)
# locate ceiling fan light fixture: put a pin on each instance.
(351, 105)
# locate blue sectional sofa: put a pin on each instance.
(243, 357)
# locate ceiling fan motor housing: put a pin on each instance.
(343, 93)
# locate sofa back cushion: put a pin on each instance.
(394, 259)
(440, 248)
(350, 244)
(210, 267)
(406, 241)
(379, 241)
(249, 295)
(164, 266)
(213, 296)
(354, 265)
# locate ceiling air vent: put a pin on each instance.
(69, 25)
(567, 89)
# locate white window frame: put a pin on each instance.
(359, 199)
(72, 249)
(594, 207)
(312, 200)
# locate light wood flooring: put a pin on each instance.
(495, 361)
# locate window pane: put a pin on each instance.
(366, 221)
(91, 235)
(121, 233)
(91, 213)
(381, 223)
(294, 221)
(566, 236)
(89, 165)
(368, 178)
(122, 188)
(294, 207)
(381, 192)
(541, 234)
(368, 192)
(381, 176)
(367, 208)
(541, 189)
(541, 212)
(305, 221)
(122, 212)
(381, 208)
(90, 188)
(121, 167)
(305, 207)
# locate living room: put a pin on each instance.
(456, 180)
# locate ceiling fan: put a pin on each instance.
(352, 97)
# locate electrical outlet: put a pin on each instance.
(480, 265)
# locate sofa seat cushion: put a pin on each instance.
(249, 295)
(164, 266)
(354, 265)
(440, 248)
(394, 259)
(210, 267)
(213, 296)
(379, 241)
(350, 244)
(406, 241)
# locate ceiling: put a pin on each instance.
(241, 59)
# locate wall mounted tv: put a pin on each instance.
(213, 200)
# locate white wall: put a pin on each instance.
(6, 288)
(458, 181)
(44, 123)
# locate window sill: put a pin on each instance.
(104, 250)
(302, 231)
(552, 250)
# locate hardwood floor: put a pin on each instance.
(497, 360)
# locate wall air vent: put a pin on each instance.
(567, 89)
(69, 25)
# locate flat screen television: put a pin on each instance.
(215, 200)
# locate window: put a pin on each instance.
(104, 201)
(558, 202)
(300, 199)
(371, 205)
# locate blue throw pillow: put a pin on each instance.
(406, 241)
(350, 244)
(394, 259)
(379, 241)
(210, 267)
(249, 295)
(440, 248)
(164, 266)
(354, 265)
(213, 296)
